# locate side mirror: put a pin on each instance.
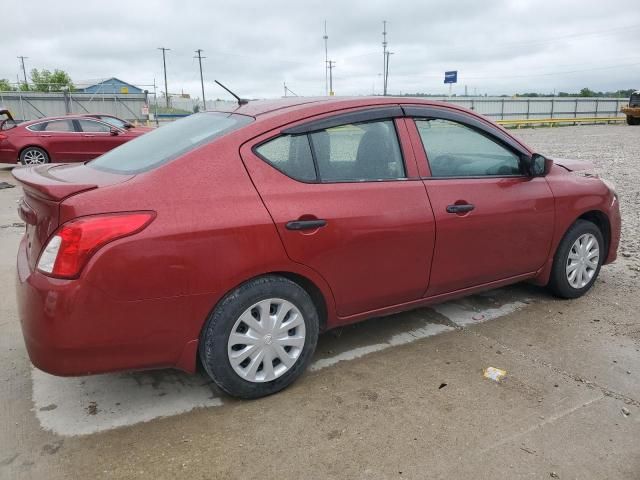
(114, 131)
(538, 165)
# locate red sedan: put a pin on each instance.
(71, 138)
(237, 237)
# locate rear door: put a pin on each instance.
(60, 139)
(493, 222)
(347, 202)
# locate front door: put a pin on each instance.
(97, 138)
(493, 222)
(345, 205)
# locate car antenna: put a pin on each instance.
(241, 101)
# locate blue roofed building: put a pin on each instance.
(109, 85)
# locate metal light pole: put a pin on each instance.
(164, 64)
(200, 57)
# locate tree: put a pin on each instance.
(46, 81)
(5, 86)
(587, 92)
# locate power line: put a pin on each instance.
(164, 64)
(200, 57)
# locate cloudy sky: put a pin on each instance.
(254, 46)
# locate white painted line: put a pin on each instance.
(400, 339)
(85, 405)
(463, 317)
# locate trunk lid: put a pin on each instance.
(45, 189)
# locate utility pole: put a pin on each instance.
(385, 58)
(200, 57)
(326, 60)
(164, 64)
(331, 65)
(24, 71)
(386, 78)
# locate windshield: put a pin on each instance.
(168, 142)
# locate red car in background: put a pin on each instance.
(69, 138)
(235, 238)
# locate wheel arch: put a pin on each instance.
(601, 220)
(34, 146)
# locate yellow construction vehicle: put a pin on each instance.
(632, 111)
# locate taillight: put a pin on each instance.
(73, 244)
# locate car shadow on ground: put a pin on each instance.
(85, 405)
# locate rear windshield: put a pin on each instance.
(168, 142)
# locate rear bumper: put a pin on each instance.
(72, 328)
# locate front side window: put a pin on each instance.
(358, 152)
(168, 142)
(91, 126)
(456, 150)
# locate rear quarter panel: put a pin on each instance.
(211, 233)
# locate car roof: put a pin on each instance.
(73, 116)
(257, 108)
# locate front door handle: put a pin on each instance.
(305, 224)
(463, 208)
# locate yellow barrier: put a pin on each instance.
(554, 121)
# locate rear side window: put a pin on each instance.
(456, 150)
(53, 126)
(168, 142)
(348, 153)
(291, 154)
(358, 152)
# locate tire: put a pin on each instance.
(34, 156)
(237, 367)
(631, 120)
(562, 283)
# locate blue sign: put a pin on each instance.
(451, 77)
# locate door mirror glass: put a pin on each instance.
(539, 165)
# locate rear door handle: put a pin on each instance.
(464, 208)
(305, 224)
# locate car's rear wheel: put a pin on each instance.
(631, 120)
(577, 261)
(260, 337)
(33, 156)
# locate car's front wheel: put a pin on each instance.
(33, 156)
(260, 337)
(578, 260)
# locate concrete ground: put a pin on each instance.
(398, 397)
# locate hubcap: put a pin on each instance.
(32, 157)
(583, 259)
(267, 340)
